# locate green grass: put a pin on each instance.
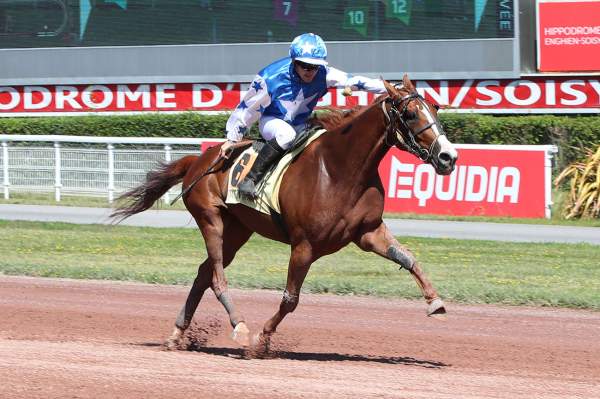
(565, 275)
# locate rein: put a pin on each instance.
(210, 170)
(197, 179)
(395, 118)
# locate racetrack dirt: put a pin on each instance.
(92, 339)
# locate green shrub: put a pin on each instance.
(584, 182)
(572, 134)
(187, 124)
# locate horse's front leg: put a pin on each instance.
(300, 260)
(381, 241)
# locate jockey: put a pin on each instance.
(282, 97)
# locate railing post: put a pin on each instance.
(167, 160)
(111, 172)
(6, 181)
(57, 171)
(551, 150)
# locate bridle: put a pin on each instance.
(398, 128)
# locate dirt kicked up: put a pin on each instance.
(88, 339)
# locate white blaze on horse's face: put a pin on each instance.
(445, 144)
(430, 119)
(444, 154)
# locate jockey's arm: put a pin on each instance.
(337, 78)
(249, 110)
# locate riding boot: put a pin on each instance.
(268, 154)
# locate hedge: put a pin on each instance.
(570, 133)
(187, 124)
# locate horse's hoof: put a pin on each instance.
(241, 334)
(261, 341)
(174, 341)
(436, 309)
(172, 345)
(260, 346)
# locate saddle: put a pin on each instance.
(268, 188)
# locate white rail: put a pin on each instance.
(100, 166)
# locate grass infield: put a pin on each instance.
(468, 271)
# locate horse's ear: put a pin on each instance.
(389, 87)
(407, 83)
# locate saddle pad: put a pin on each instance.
(268, 188)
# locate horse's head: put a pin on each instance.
(413, 126)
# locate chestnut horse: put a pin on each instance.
(331, 195)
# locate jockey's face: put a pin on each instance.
(307, 72)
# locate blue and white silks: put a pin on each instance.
(278, 91)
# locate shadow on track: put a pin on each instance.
(321, 357)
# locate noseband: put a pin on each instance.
(396, 125)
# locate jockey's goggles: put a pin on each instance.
(306, 66)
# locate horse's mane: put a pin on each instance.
(330, 118)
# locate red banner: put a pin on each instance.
(488, 180)
(568, 35)
(539, 94)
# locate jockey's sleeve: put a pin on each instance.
(248, 111)
(337, 78)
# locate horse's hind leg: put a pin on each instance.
(201, 283)
(235, 235)
(381, 241)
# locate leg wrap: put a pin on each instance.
(227, 303)
(399, 256)
(289, 302)
(182, 322)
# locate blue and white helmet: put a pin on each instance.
(309, 48)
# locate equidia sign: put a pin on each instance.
(489, 180)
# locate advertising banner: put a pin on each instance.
(568, 35)
(533, 95)
(489, 180)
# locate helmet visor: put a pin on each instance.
(313, 61)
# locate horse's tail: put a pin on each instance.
(158, 182)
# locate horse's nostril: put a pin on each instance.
(445, 158)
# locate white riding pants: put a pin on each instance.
(278, 129)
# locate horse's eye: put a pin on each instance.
(410, 115)
(437, 107)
